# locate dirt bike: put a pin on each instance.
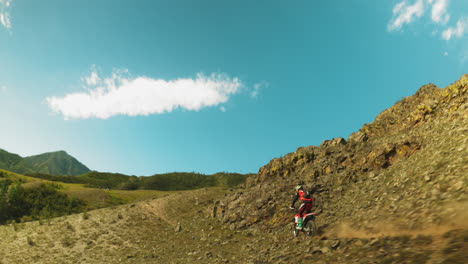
(308, 224)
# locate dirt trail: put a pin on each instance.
(458, 220)
(158, 208)
(345, 230)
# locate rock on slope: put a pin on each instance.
(406, 170)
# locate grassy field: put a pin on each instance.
(94, 197)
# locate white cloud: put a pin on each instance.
(223, 109)
(120, 95)
(6, 3)
(257, 87)
(403, 13)
(464, 56)
(457, 31)
(406, 11)
(93, 79)
(254, 92)
(5, 18)
(439, 11)
(3, 89)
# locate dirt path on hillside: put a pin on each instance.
(458, 220)
(158, 209)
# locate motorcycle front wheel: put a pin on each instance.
(295, 230)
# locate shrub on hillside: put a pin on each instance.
(105, 180)
(178, 181)
(230, 179)
(66, 179)
(38, 202)
(129, 186)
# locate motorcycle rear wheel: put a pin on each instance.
(310, 228)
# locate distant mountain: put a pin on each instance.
(8, 160)
(53, 163)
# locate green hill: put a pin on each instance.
(24, 198)
(42, 196)
(53, 163)
(163, 182)
(9, 160)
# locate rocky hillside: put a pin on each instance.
(53, 163)
(178, 228)
(393, 192)
(406, 170)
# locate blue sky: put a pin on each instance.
(144, 87)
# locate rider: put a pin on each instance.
(306, 205)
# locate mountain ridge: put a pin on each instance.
(53, 163)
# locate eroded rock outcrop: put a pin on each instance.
(408, 167)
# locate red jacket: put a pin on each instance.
(302, 195)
